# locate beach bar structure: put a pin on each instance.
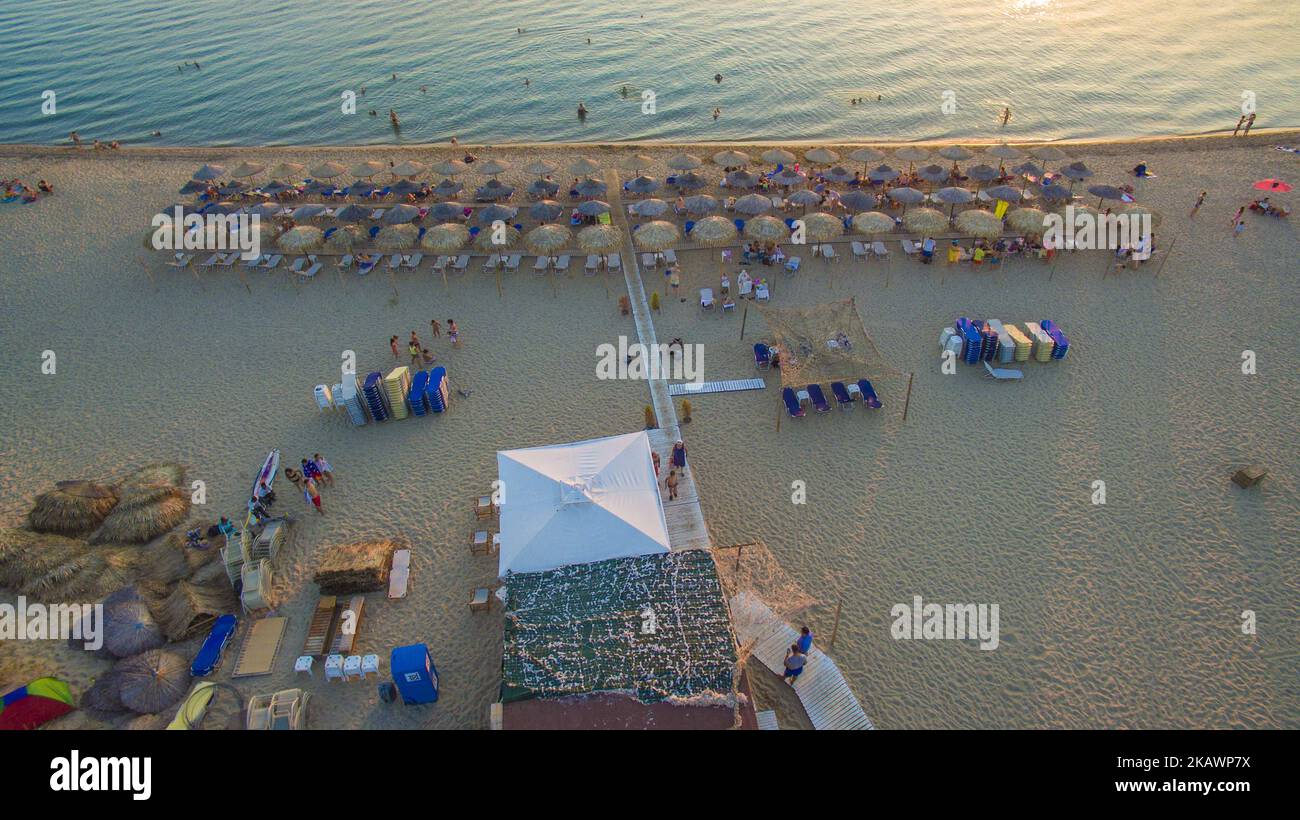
(643, 642)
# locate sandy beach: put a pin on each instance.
(1123, 615)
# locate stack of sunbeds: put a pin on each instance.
(347, 397)
(1060, 344)
(396, 385)
(1043, 343)
(373, 392)
(415, 396)
(1023, 345)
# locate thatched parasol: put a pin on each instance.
(636, 162)
(866, 155)
(656, 236)
(714, 230)
(129, 629)
(701, 204)
(397, 238)
(753, 205)
(191, 608)
(541, 167)
(346, 239)
(401, 214)
(361, 566)
(1048, 153)
(766, 228)
(484, 240)
(548, 239)
(882, 173)
(153, 680)
(925, 221)
(328, 170)
(821, 227)
(209, 172)
(1004, 151)
(142, 514)
(104, 696)
(247, 169)
(956, 153)
(873, 223)
(600, 238)
(1029, 221)
(912, 153)
(856, 200)
(684, 162)
(585, 166)
(72, 508)
(163, 560)
(445, 238)
(447, 167)
(821, 156)
(691, 181)
(26, 556)
(408, 168)
(300, 238)
(648, 207)
(979, 223)
(777, 156)
(158, 472)
(288, 170)
(492, 167)
(731, 159)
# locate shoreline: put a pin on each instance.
(1102, 147)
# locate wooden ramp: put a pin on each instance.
(700, 388)
(260, 647)
(821, 688)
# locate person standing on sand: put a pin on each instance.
(435, 328)
(414, 349)
(415, 340)
(313, 495)
(326, 471)
(453, 333)
(393, 344)
(671, 483)
(1200, 200)
(1237, 216)
(1238, 228)
(294, 476)
(794, 661)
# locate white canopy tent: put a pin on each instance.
(579, 503)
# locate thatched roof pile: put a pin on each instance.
(25, 554)
(130, 629)
(359, 567)
(47, 567)
(146, 723)
(104, 696)
(152, 681)
(144, 513)
(190, 609)
(72, 508)
(164, 472)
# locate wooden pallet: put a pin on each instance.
(343, 642)
(319, 628)
(822, 690)
(733, 386)
(261, 645)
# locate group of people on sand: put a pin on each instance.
(419, 353)
(315, 472)
(16, 189)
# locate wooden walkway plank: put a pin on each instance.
(700, 388)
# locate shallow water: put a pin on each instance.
(1067, 68)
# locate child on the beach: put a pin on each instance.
(414, 349)
(310, 470)
(428, 356)
(1200, 200)
(323, 466)
(393, 344)
(453, 333)
(435, 328)
(671, 483)
(312, 495)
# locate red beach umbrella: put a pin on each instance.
(1272, 185)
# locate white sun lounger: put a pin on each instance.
(394, 261)
(512, 263)
(491, 262)
(299, 264)
(615, 262)
(542, 263)
(181, 260)
(879, 249)
(761, 293)
(345, 261)
(593, 264)
(706, 298)
(1003, 373)
(859, 250)
(214, 259)
(910, 247)
(562, 264)
(461, 263)
(440, 264)
(413, 261)
(670, 256)
(828, 251)
(649, 261)
(310, 272)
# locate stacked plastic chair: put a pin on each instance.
(347, 397)
(437, 392)
(372, 392)
(1060, 344)
(415, 396)
(396, 385)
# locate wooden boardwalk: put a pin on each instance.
(686, 527)
(700, 388)
(822, 690)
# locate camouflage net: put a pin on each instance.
(825, 343)
(754, 569)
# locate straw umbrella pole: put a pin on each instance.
(714, 232)
(445, 239)
(548, 239)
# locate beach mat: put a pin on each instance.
(260, 647)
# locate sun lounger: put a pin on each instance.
(214, 646)
(310, 272)
(592, 265)
(345, 636)
(492, 262)
(318, 630)
(512, 262)
(879, 249)
(706, 298)
(298, 264)
(615, 262)
(818, 398)
(562, 264)
(859, 250)
(541, 264)
(792, 264)
(230, 259)
(273, 261)
(366, 267)
(395, 261)
(181, 260)
(910, 247)
(828, 251)
(440, 264)
(400, 574)
(649, 261)
(261, 644)
(842, 397)
(791, 403)
(761, 293)
(461, 263)
(670, 256)
(214, 259)
(869, 397)
(413, 261)
(1002, 373)
(762, 356)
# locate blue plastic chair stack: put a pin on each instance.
(436, 393)
(373, 393)
(418, 401)
(972, 342)
(1062, 344)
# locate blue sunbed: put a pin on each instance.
(762, 356)
(841, 394)
(791, 403)
(869, 397)
(213, 647)
(818, 398)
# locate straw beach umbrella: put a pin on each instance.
(932, 173)
(408, 168)
(288, 170)
(406, 186)
(591, 187)
(1006, 193)
(247, 169)
(925, 221)
(866, 155)
(600, 238)
(731, 159)
(446, 167)
(585, 167)
(839, 174)
(907, 196)
(397, 238)
(656, 236)
(643, 185)
(311, 211)
(494, 190)
(545, 210)
(1048, 153)
(873, 223)
(492, 167)
(806, 199)
(979, 223)
(1056, 193)
(882, 173)
(855, 201)
(209, 172)
(636, 162)
(912, 154)
(548, 240)
(821, 156)
(267, 210)
(1104, 192)
(497, 213)
(766, 228)
(540, 187)
(346, 239)
(129, 629)
(72, 508)
(789, 177)
(1137, 210)
(822, 227)
(982, 173)
(742, 179)
(301, 238)
(700, 204)
(1029, 221)
(684, 162)
(956, 153)
(352, 213)
(153, 680)
(691, 181)
(445, 238)
(446, 210)
(144, 513)
(593, 207)
(485, 240)
(328, 170)
(541, 167)
(753, 204)
(778, 156)
(649, 208)
(1076, 172)
(714, 231)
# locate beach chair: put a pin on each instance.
(1002, 373)
(310, 272)
(214, 647)
(859, 250)
(413, 261)
(351, 667)
(333, 668)
(592, 265)
(828, 251)
(541, 264)
(492, 262)
(366, 267)
(762, 356)
(213, 260)
(461, 263)
(230, 260)
(440, 264)
(879, 249)
(273, 261)
(670, 256)
(910, 247)
(761, 293)
(842, 397)
(562, 264)
(614, 262)
(298, 264)
(818, 398)
(344, 261)
(181, 260)
(869, 397)
(706, 298)
(395, 261)
(480, 542)
(744, 285)
(480, 600)
(649, 261)
(511, 262)
(483, 507)
(792, 264)
(369, 666)
(792, 405)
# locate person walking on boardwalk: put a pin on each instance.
(679, 455)
(805, 640)
(794, 663)
(671, 483)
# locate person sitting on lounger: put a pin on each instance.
(1140, 170)
(225, 527)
